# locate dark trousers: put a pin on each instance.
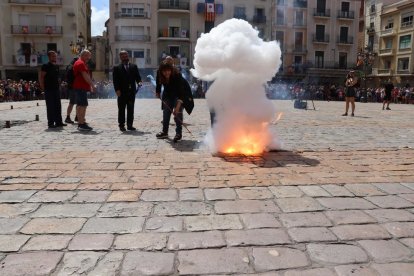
(168, 106)
(53, 107)
(128, 103)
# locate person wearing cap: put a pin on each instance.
(350, 83)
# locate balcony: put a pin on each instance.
(259, 19)
(346, 15)
(406, 25)
(299, 50)
(240, 16)
(24, 60)
(345, 40)
(36, 30)
(403, 72)
(131, 15)
(322, 13)
(132, 38)
(176, 5)
(386, 52)
(329, 65)
(36, 2)
(324, 38)
(387, 32)
(174, 34)
(386, 72)
(299, 24)
(370, 30)
(280, 22)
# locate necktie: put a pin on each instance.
(126, 67)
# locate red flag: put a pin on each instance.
(210, 12)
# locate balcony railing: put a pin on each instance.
(346, 14)
(49, 30)
(329, 64)
(179, 34)
(389, 31)
(403, 72)
(174, 5)
(24, 60)
(320, 38)
(407, 24)
(387, 71)
(386, 51)
(259, 19)
(131, 15)
(132, 38)
(240, 16)
(345, 40)
(299, 50)
(36, 2)
(280, 22)
(370, 30)
(299, 24)
(322, 13)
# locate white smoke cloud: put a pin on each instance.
(240, 63)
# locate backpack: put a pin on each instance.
(188, 102)
(69, 75)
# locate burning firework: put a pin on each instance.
(239, 62)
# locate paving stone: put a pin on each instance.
(125, 209)
(245, 206)
(64, 180)
(47, 242)
(408, 242)
(66, 210)
(286, 191)
(409, 197)
(311, 234)
(306, 219)
(394, 188)
(15, 196)
(386, 250)
(264, 220)
(159, 195)
(220, 194)
(14, 210)
(147, 263)
(86, 242)
(124, 195)
(390, 201)
(408, 185)
(109, 265)
(360, 232)
(400, 229)
(275, 258)
(78, 263)
(310, 272)
(181, 208)
(12, 225)
(212, 222)
(113, 225)
(52, 196)
(394, 269)
(303, 204)
(142, 241)
(349, 217)
(338, 203)
(364, 189)
(12, 243)
(53, 226)
(336, 253)
(195, 240)
(388, 215)
(90, 196)
(164, 224)
(256, 237)
(355, 270)
(30, 264)
(254, 193)
(314, 191)
(336, 190)
(229, 260)
(191, 195)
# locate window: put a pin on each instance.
(389, 25)
(345, 6)
(299, 18)
(280, 17)
(240, 12)
(298, 40)
(320, 32)
(300, 3)
(319, 59)
(370, 45)
(320, 6)
(135, 53)
(343, 57)
(298, 63)
(406, 20)
(388, 43)
(403, 63)
(405, 41)
(343, 37)
(132, 10)
(280, 38)
(372, 9)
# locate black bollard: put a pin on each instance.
(11, 107)
(37, 104)
(7, 124)
(37, 118)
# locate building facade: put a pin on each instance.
(30, 28)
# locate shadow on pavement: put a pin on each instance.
(184, 145)
(135, 133)
(91, 132)
(271, 159)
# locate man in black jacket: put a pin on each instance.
(125, 79)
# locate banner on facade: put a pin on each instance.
(210, 11)
(20, 60)
(33, 60)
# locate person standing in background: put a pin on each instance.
(387, 97)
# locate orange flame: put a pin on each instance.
(246, 146)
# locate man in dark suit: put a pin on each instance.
(126, 77)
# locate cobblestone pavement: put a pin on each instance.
(338, 199)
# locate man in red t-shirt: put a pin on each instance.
(82, 84)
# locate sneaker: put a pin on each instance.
(76, 118)
(84, 127)
(177, 137)
(345, 114)
(161, 135)
(388, 108)
(131, 128)
(69, 121)
(122, 128)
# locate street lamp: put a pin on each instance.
(77, 47)
(364, 63)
